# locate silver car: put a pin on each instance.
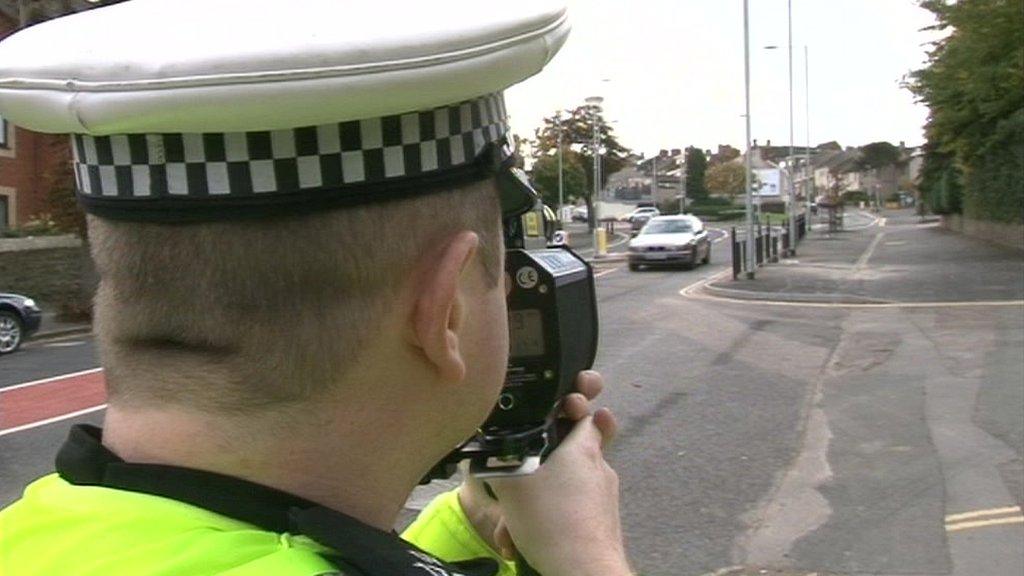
(670, 240)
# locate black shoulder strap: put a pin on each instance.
(359, 549)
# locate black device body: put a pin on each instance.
(552, 308)
(552, 319)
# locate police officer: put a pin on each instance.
(295, 214)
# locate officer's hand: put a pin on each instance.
(564, 519)
(484, 512)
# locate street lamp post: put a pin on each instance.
(595, 103)
(682, 186)
(561, 182)
(789, 163)
(751, 242)
(654, 179)
(809, 179)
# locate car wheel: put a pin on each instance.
(634, 267)
(10, 332)
(707, 256)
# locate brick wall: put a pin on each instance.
(55, 271)
(29, 162)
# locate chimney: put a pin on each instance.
(675, 151)
(755, 143)
(768, 143)
(662, 153)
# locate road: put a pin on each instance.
(829, 438)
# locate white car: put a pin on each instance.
(670, 240)
(580, 214)
(645, 211)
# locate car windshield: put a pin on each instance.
(667, 227)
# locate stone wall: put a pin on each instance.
(1002, 233)
(56, 271)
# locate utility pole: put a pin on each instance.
(751, 242)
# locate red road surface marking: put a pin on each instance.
(52, 399)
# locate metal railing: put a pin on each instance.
(767, 245)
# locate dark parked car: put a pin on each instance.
(19, 319)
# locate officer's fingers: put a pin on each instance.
(589, 383)
(503, 541)
(605, 421)
(575, 407)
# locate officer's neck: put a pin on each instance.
(349, 467)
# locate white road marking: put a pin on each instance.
(952, 518)
(605, 273)
(720, 238)
(688, 292)
(64, 344)
(50, 379)
(984, 523)
(31, 425)
(685, 290)
(863, 260)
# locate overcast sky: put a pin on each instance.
(674, 71)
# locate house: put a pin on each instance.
(29, 161)
(837, 171)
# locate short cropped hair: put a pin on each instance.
(242, 316)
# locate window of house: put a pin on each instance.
(3, 132)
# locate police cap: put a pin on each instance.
(193, 110)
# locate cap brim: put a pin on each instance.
(518, 196)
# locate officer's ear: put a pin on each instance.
(440, 305)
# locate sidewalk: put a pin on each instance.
(51, 327)
(899, 259)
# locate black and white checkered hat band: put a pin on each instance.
(278, 162)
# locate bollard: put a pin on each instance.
(736, 262)
(600, 242)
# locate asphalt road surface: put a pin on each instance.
(834, 439)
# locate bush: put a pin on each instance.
(712, 201)
(39, 225)
(855, 196)
(716, 213)
(733, 214)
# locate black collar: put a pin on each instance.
(83, 460)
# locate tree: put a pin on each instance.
(545, 177)
(878, 155)
(974, 88)
(696, 166)
(729, 179)
(577, 135)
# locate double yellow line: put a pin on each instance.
(983, 518)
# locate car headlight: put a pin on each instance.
(30, 303)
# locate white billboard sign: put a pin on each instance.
(768, 182)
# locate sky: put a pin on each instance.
(671, 71)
